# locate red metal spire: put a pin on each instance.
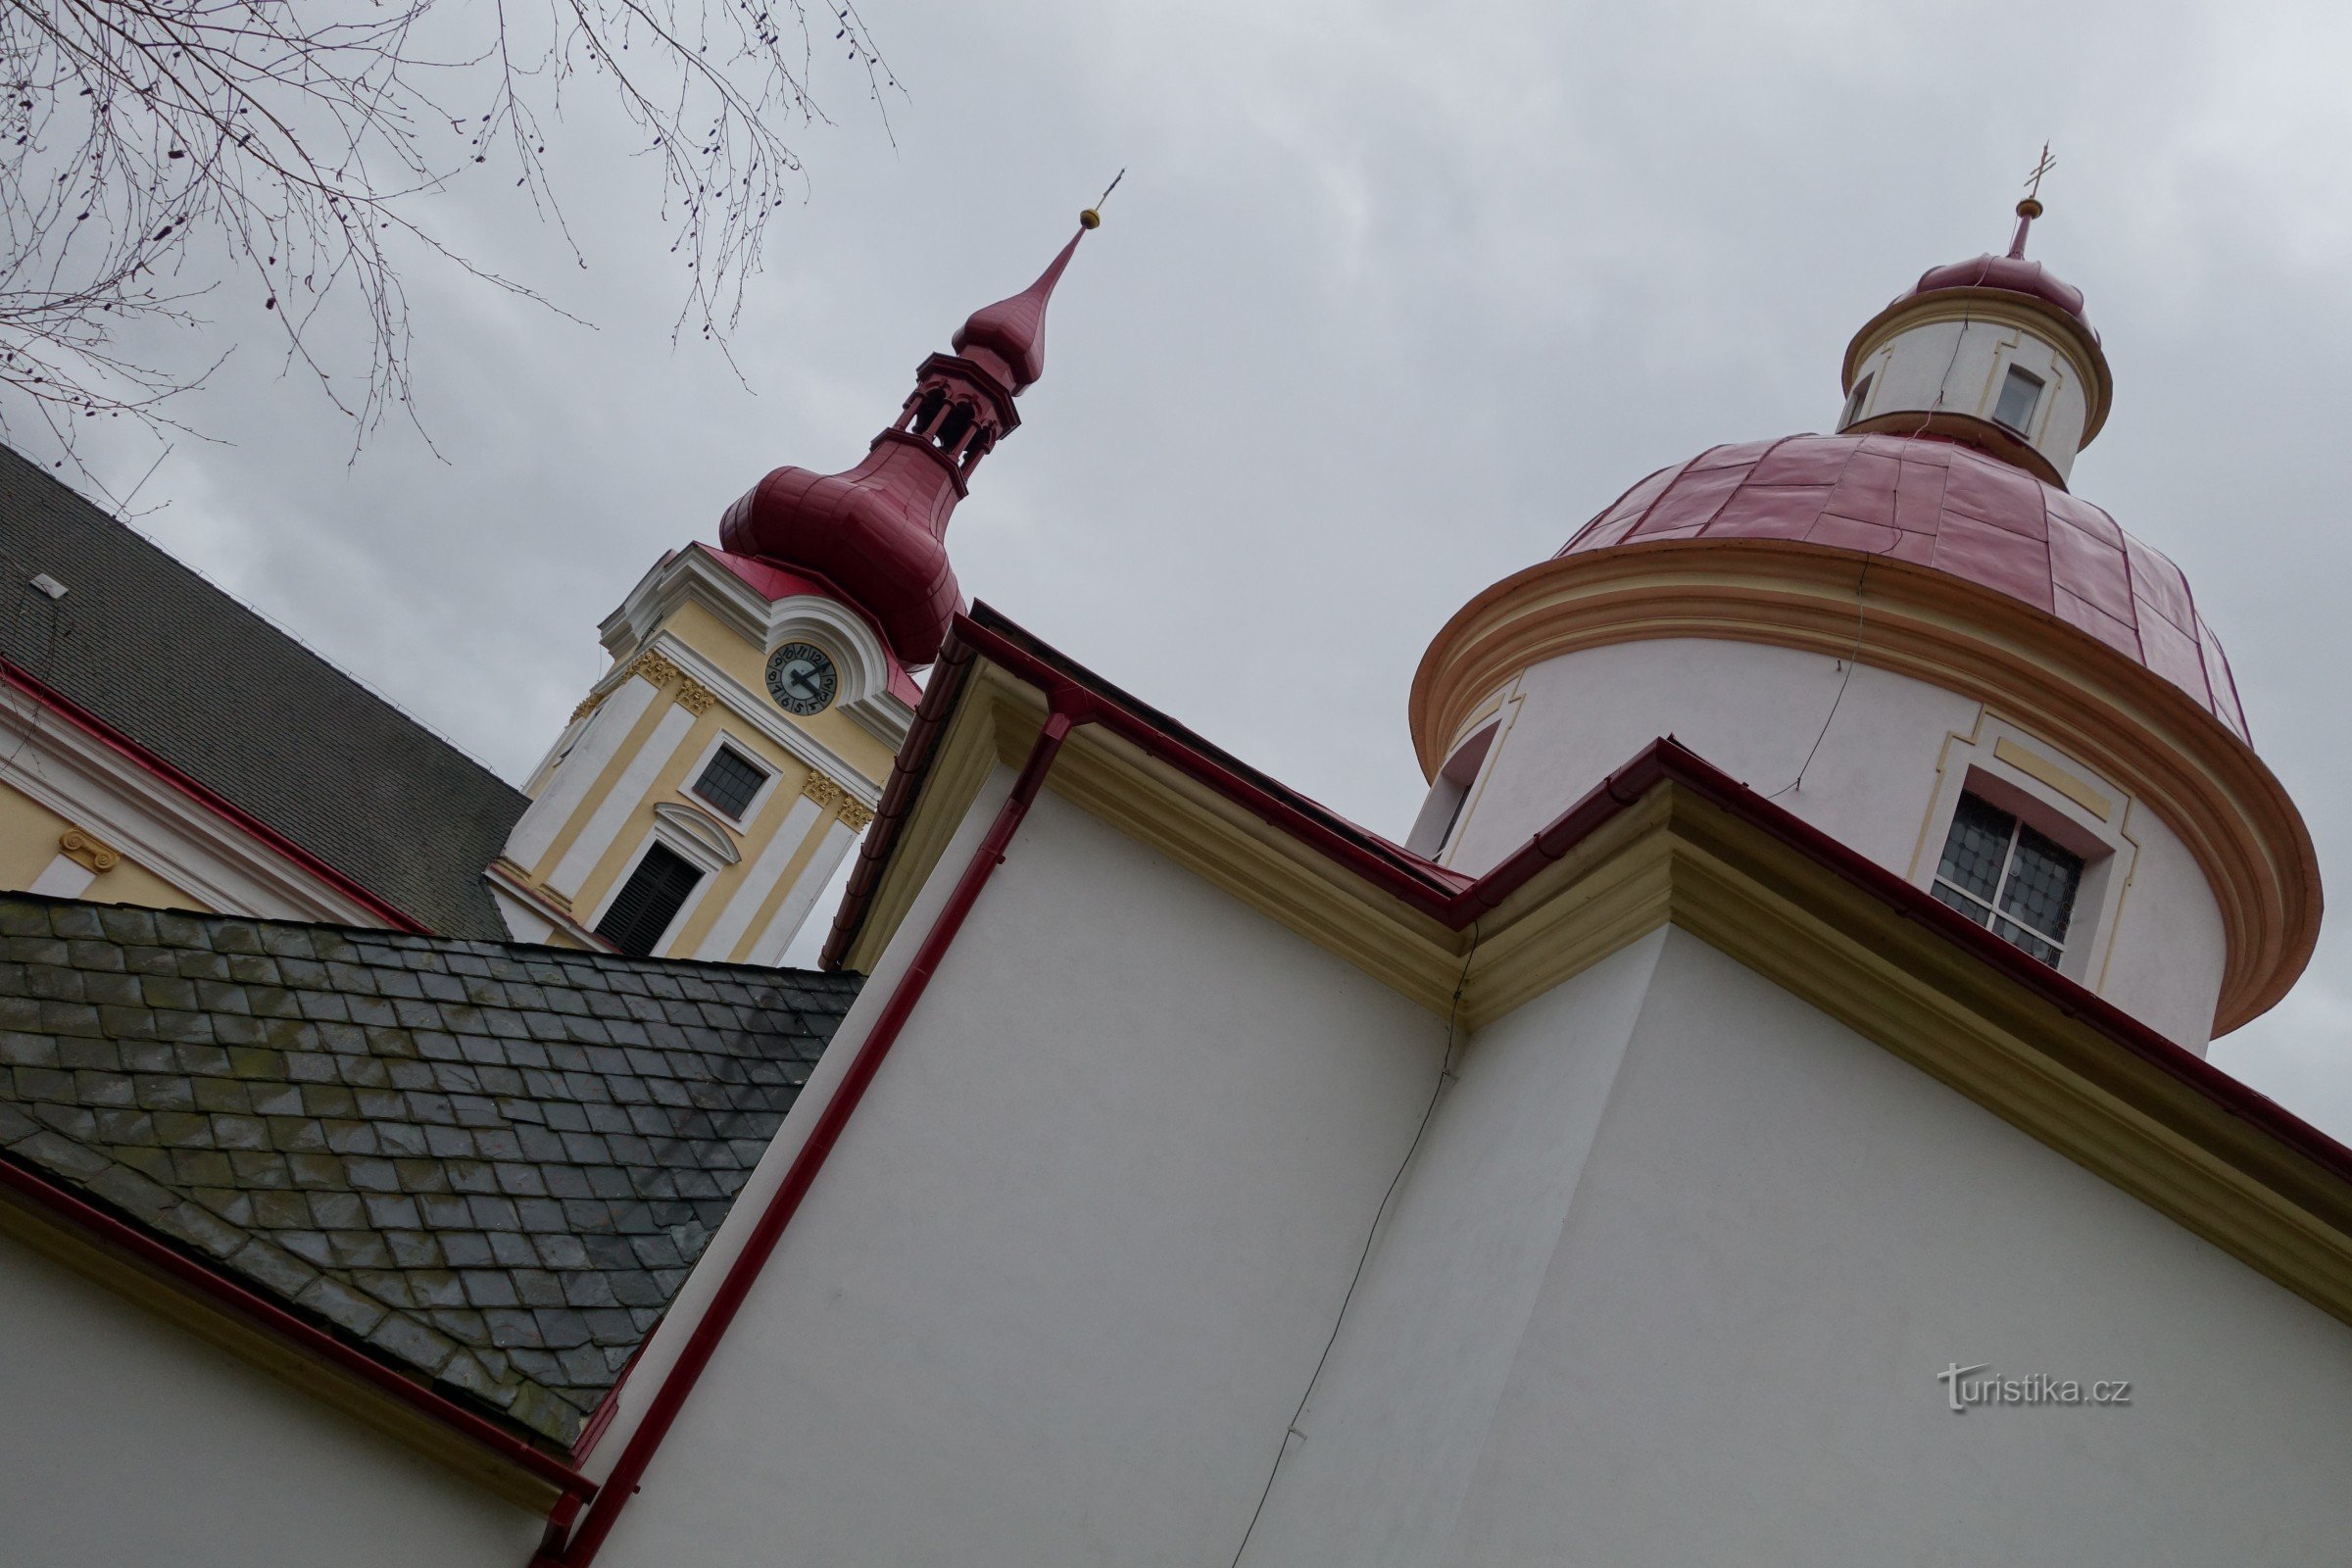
(2026, 211)
(1007, 339)
(877, 533)
(2030, 208)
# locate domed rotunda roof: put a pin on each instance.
(1943, 506)
(2012, 274)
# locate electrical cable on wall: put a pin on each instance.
(1446, 1075)
(1847, 677)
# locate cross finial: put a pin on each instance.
(2040, 168)
(2030, 208)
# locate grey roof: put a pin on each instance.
(492, 1163)
(169, 660)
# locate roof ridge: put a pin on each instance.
(77, 498)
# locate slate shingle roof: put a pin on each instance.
(493, 1163)
(212, 688)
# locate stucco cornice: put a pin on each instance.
(2007, 305)
(2063, 684)
(1667, 840)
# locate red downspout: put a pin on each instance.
(614, 1495)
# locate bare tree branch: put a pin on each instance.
(141, 140)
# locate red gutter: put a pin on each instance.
(1456, 900)
(1070, 709)
(1076, 696)
(138, 755)
(201, 1279)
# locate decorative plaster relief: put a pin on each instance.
(85, 851)
(655, 669)
(828, 796)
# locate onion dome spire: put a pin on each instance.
(1995, 353)
(877, 533)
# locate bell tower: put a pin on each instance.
(714, 778)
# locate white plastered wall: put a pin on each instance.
(1956, 367)
(131, 1441)
(1875, 782)
(1070, 1266)
(1670, 1283)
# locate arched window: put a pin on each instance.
(1441, 813)
(954, 428)
(928, 410)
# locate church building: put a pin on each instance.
(1757, 1112)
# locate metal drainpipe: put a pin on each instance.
(1068, 713)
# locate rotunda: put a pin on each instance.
(1912, 634)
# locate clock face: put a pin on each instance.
(801, 677)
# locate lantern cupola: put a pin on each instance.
(1995, 353)
(877, 533)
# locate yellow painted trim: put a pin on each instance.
(1994, 307)
(1675, 859)
(1515, 701)
(105, 1266)
(2056, 777)
(1926, 821)
(614, 766)
(668, 784)
(960, 765)
(2119, 719)
(753, 845)
(793, 870)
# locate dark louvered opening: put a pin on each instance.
(649, 900)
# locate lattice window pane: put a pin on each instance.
(2016, 936)
(2041, 884)
(647, 902)
(1952, 898)
(729, 782)
(1978, 844)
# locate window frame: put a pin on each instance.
(1995, 909)
(2003, 765)
(1445, 809)
(2012, 374)
(702, 878)
(743, 749)
(1857, 400)
(762, 776)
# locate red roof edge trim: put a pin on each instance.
(204, 1280)
(1457, 901)
(221, 805)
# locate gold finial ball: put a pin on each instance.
(1090, 218)
(2028, 208)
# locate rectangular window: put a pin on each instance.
(2003, 876)
(1853, 404)
(2020, 393)
(647, 902)
(730, 781)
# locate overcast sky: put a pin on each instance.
(1393, 300)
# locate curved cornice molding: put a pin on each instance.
(691, 576)
(1993, 305)
(2063, 684)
